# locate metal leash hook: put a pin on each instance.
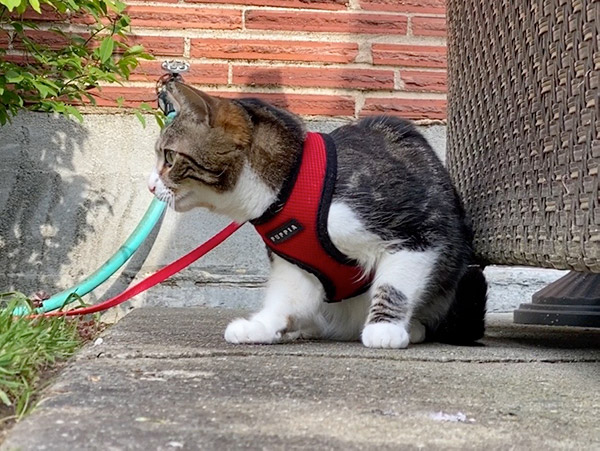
(174, 69)
(175, 66)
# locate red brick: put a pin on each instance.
(429, 26)
(212, 74)
(315, 105)
(133, 95)
(54, 41)
(316, 4)
(326, 52)
(415, 80)
(158, 45)
(327, 22)
(155, 45)
(406, 6)
(304, 104)
(49, 14)
(171, 17)
(314, 77)
(4, 38)
(86, 19)
(406, 108)
(19, 59)
(409, 55)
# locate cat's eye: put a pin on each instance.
(169, 157)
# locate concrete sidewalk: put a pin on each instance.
(165, 379)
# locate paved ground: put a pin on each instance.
(165, 379)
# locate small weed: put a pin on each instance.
(29, 346)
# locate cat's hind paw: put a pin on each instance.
(385, 335)
(417, 332)
(250, 331)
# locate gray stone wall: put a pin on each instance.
(71, 193)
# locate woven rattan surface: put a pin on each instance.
(523, 131)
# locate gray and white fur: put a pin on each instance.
(394, 210)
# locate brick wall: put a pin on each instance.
(348, 58)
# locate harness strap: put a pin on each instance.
(297, 229)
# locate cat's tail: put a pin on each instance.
(465, 322)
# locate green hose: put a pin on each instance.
(133, 242)
(124, 253)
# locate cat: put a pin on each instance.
(394, 211)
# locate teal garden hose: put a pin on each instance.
(133, 242)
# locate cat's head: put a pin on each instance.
(201, 154)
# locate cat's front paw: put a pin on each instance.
(385, 335)
(250, 331)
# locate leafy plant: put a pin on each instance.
(52, 70)
(27, 346)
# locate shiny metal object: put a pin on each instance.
(176, 66)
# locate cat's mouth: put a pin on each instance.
(181, 202)
(176, 200)
(167, 198)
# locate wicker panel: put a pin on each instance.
(524, 134)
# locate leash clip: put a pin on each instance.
(174, 69)
(175, 66)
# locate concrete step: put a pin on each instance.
(164, 378)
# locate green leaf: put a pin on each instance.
(141, 118)
(35, 4)
(72, 4)
(159, 120)
(18, 27)
(42, 89)
(22, 7)
(69, 72)
(4, 398)
(111, 77)
(134, 49)
(58, 107)
(75, 112)
(118, 6)
(124, 21)
(106, 48)
(10, 4)
(90, 98)
(120, 101)
(145, 56)
(13, 77)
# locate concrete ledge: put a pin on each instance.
(165, 379)
(71, 193)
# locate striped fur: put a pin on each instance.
(394, 211)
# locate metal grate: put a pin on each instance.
(524, 131)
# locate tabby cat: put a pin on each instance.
(394, 212)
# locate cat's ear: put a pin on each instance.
(234, 121)
(213, 111)
(187, 99)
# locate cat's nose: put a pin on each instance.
(151, 185)
(152, 182)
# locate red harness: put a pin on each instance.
(295, 228)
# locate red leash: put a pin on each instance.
(155, 278)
